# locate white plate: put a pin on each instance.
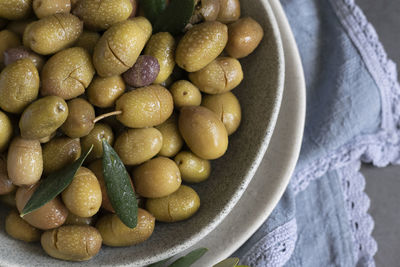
(273, 175)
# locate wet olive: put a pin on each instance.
(19, 229)
(104, 92)
(193, 169)
(60, 152)
(44, 8)
(80, 118)
(100, 131)
(6, 131)
(172, 141)
(143, 73)
(185, 93)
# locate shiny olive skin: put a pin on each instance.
(16, 53)
(6, 131)
(207, 10)
(83, 196)
(60, 152)
(135, 146)
(52, 215)
(145, 107)
(117, 234)
(72, 242)
(19, 229)
(24, 161)
(103, 92)
(120, 46)
(80, 118)
(43, 36)
(73, 219)
(185, 93)
(244, 37)
(8, 39)
(143, 73)
(172, 139)
(44, 8)
(88, 40)
(220, 76)
(201, 45)
(100, 131)
(156, 178)
(179, 206)
(229, 11)
(43, 117)
(6, 185)
(19, 85)
(227, 108)
(193, 169)
(67, 74)
(15, 9)
(203, 132)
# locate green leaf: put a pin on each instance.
(53, 185)
(175, 17)
(159, 263)
(119, 188)
(230, 262)
(153, 8)
(190, 258)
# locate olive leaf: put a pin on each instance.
(119, 188)
(153, 8)
(175, 17)
(190, 258)
(53, 185)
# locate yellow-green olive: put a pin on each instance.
(24, 161)
(19, 85)
(67, 74)
(60, 152)
(185, 93)
(116, 234)
(80, 118)
(145, 107)
(43, 117)
(172, 139)
(73, 219)
(52, 215)
(6, 185)
(229, 11)
(88, 40)
(103, 92)
(53, 33)
(83, 196)
(44, 8)
(6, 131)
(158, 177)
(207, 10)
(220, 76)
(244, 37)
(8, 40)
(201, 45)
(120, 46)
(15, 9)
(162, 47)
(227, 108)
(193, 169)
(179, 206)
(203, 132)
(47, 139)
(8, 199)
(72, 242)
(100, 131)
(19, 229)
(16, 53)
(101, 15)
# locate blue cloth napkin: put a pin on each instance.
(352, 116)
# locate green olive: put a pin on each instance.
(8, 39)
(15, 9)
(172, 139)
(100, 131)
(103, 92)
(6, 185)
(185, 93)
(60, 152)
(19, 85)
(229, 11)
(203, 132)
(72, 242)
(24, 161)
(73, 219)
(135, 146)
(179, 206)
(116, 234)
(83, 196)
(88, 40)
(19, 229)
(145, 107)
(80, 118)
(158, 177)
(6, 131)
(43, 117)
(193, 169)
(44, 8)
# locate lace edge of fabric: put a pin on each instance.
(274, 249)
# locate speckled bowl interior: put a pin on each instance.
(260, 96)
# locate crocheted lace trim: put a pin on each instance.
(274, 249)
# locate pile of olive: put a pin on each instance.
(65, 65)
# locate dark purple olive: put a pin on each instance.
(16, 53)
(143, 73)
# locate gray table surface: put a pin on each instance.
(383, 185)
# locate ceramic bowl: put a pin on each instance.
(260, 96)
